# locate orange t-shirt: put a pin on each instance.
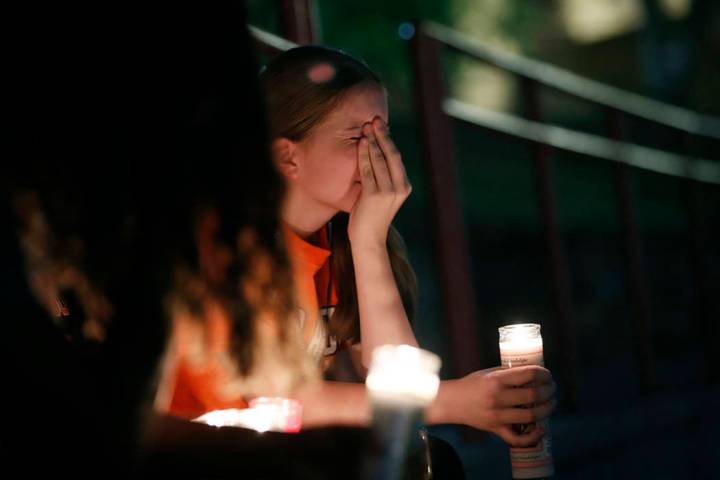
(196, 383)
(195, 389)
(311, 275)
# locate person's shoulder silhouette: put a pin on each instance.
(111, 111)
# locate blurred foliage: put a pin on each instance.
(368, 29)
(375, 25)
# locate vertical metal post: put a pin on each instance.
(562, 330)
(697, 240)
(297, 21)
(450, 234)
(637, 286)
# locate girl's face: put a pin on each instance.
(328, 156)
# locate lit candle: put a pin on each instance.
(286, 413)
(521, 344)
(402, 382)
(264, 414)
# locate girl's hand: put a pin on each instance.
(498, 398)
(384, 185)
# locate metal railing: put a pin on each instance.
(437, 112)
(269, 43)
(298, 25)
(577, 86)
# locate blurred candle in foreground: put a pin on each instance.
(286, 412)
(402, 382)
(264, 414)
(521, 344)
(402, 374)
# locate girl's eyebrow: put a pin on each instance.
(359, 127)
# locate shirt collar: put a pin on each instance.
(311, 256)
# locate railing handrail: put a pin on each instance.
(576, 85)
(271, 40)
(646, 158)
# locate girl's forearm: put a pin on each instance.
(334, 403)
(441, 410)
(382, 316)
(341, 403)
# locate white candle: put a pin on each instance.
(521, 344)
(402, 382)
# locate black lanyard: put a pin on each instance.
(328, 294)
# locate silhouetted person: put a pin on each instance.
(127, 125)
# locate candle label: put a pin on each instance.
(518, 358)
(532, 462)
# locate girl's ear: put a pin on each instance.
(285, 155)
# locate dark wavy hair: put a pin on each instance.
(295, 104)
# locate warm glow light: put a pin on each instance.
(521, 344)
(264, 414)
(523, 336)
(403, 374)
(286, 412)
(261, 421)
(588, 21)
(476, 82)
(676, 8)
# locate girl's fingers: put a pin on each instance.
(378, 161)
(526, 415)
(519, 376)
(543, 410)
(367, 177)
(527, 395)
(514, 439)
(392, 155)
